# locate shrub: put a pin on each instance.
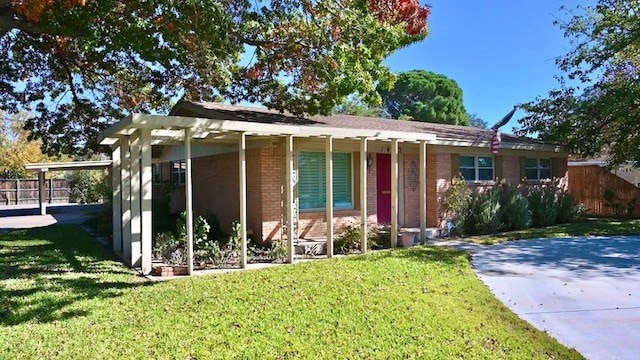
(619, 207)
(169, 248)
(88, 186)
(485, 214)
(515, 213)
(348, 240)
(543, 206)
(458, 198)
(568, 209)
(379, 237)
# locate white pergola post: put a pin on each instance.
(42, 192)
(125, 171)
(117, 197)
(189, 198)
(289, 197)
(394, 193)
(328, 153)
(243, 199)
(145, 205)
(136, 218)
(423, 191)
(363, 194)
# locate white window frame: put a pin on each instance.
(538, 168)
(477, 168)
(347, 207)
(181, 169)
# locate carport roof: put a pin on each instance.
(74, 165)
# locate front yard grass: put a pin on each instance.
(62, 296)
(591, 227)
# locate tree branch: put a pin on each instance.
(10, 20)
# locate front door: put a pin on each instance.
(383, 179)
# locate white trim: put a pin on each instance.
(363, 195)
(503, 145)
(477, 168)
(588, 163)
(242, 176)
(188, 199)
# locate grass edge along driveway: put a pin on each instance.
(63, 296)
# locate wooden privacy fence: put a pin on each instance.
(25, 191)
(588, 183)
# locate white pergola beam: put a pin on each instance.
(188, 185)
(394, 193)
(136, 197)
(289, 198)
(363, 195)
(328, 152)
(242, 176)
(116, 201)
(145, 205)
(423, 191)
(203, 125)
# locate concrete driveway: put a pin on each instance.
(28, 216)
(584, 291)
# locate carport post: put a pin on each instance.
(394, 193)
(188, 186)
(145, 205)
(328, 151)
(136, 239)
(125, 171)
(42, 192)
(117, 198)
(242, 165)
(289, 198)
(423, 191)
(363, 194)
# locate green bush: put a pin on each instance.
(543, 206)
(485, 214)
(515, 213)
(568, 209)
(169, 248)
(379, 237)
(348, 240)
(619, 207)
(88, 186)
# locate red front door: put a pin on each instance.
(383, 179)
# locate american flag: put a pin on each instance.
(495, 141)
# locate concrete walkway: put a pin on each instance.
(14, 217)
(583, 291)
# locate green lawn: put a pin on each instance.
(62, 296)
(591, 227)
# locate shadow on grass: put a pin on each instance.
(439, 254)
(49, 274)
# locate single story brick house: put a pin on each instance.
(268, 170)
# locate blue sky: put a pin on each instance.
(500, 52)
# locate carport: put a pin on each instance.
(43, 168)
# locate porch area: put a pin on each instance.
(132, 141)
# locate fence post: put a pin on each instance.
(17, 193)
(50, 191)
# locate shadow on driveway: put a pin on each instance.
(15, 217)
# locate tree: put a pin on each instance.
(425, 96)
(78, 65)
(476, 121)
(600, 115)
(15, 148)
(354, 105)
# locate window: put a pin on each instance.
(476, 168)
(157, 173)
(178, 171)
(538, 169)
(312, 184)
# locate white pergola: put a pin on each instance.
(131, 139)
(43, 168)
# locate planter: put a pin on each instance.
(166, 270)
